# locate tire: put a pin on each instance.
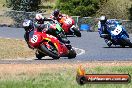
(77, 32)
(49, 52)
(128, 42)
(72, 54)
(39, 55)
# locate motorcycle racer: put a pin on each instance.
(66, 22)
(56, 15)
(45, 44)
(102, 28)
(39, 23)
(28, 26)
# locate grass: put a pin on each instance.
(62, 78)
(14, 49)
(2, 5)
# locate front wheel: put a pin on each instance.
(77, 32)
(72, 54)
(128, 42)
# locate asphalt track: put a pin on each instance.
(92, 46)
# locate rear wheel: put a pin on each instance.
(77, 32)
(50, 51)
(72, 54)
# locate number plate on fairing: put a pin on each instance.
(34, 39)
(68, 21)
(117, 30)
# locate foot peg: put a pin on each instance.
(104, 35)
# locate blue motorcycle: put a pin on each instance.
(117, 35)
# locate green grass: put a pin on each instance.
(64, 78)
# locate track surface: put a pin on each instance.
(95, 48)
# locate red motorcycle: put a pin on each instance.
(68, 25)
(49, 45)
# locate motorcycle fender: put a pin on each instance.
(66, 28)
(63, 50)
(71, 29)
(73, 22)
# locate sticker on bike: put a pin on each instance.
(50, 36)
(68, 21)
(117, 30)
(34, 39)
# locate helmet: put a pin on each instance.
(56, 12)
(103, 19)
(27, 24)
(39, 18)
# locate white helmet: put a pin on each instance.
(39, 17)
(103, 19)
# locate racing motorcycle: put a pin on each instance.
(68, 25)
(118, 35)
(49, 45)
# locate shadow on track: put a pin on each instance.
(50, 58)
(117, 47)
(70, 36)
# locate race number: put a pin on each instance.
(117, 30)
(68, 21)
(34, 39)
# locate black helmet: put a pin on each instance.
(27, 24)
(103, 19)
(56, 12)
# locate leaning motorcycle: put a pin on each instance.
(49, 45)
(68, 25)
(118, 35)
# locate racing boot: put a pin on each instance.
(68, 46)
(108, 42)
(63, 38)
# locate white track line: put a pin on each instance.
(82, 51)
